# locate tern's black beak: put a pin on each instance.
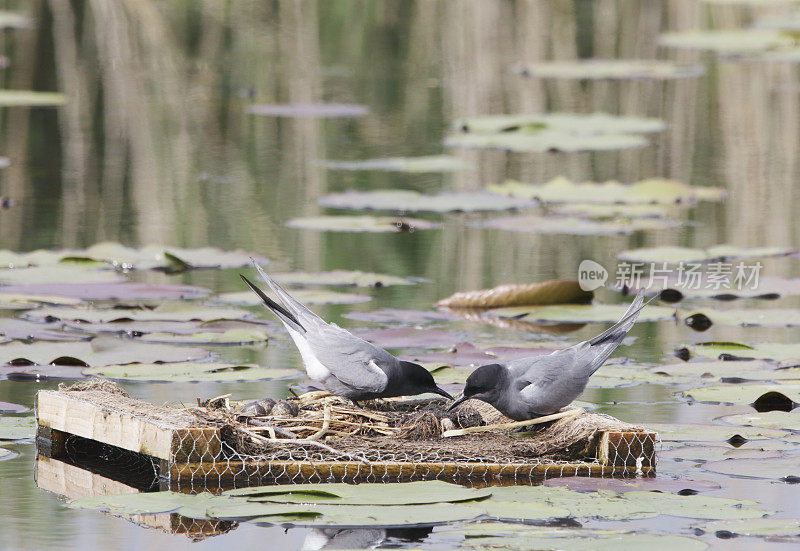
(443, 393)
(454, 404)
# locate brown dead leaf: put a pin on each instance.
(556, 291)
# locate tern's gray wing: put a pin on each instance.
(350, 359)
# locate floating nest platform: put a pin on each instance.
(317, 437)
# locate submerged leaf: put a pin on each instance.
(430, 163)
(361, 224)
(558, 291)
(412, 201)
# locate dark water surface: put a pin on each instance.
(155, 146)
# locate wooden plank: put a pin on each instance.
(629, 449)
(51, 442)
(73, 482)
(66, 413)
(196, 445)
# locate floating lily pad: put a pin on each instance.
(362, 224)
(608, 69)
(524, 511)
(410, 337)
(175, 311)
(306, 296)
(718, 253)
(557, 291)
(190, 371)
(311, 110)
(742, 394)
(572, 225)
(239, 335)
(691, 432)
(393, 315)
(755, 370)
(99, 351)
(765, 527)
(407, 493)
(430, 163)
(466, 354)
(8, 407)
(399, 200)
(144, 503)
(611, 211)
(715, 453)
(703, 286)
(762, 317)
(652, 190)
(38, 373)
(14, 20)
(599, 542)
(24, 301)
(570, 123)
(17, 428)
(581, 313)
(30, 98)
(736, 41)
(341, 278)
(696, 506)
(769, 467)
(768, 419)
(545, 141)
(107, 291)
(764, 350)
(55, 274)
(583, 484)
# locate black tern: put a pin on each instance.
(345, 364)
(540, 385)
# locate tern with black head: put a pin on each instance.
(343, 363)
(540, 385)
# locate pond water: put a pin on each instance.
(156, 145)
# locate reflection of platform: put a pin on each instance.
(73, 482)
(182, 451)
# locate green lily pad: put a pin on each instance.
(609, 211)
(764, 350)
(704, 287)
(692, 432)
(306, 296)
(523, 511)
(168, 311)
(652, 190)
(571, 225)
(608, 69)
(30, 98)
(99, 351)
(407, 493)
(545, 141)
(17, 428)
(596, 542)
(761, 317)
(764, 527)
(18, 329)
(57, 274)
(341, 278)
(571, 123)
(755, 370)
(715, 453)
(414, 165)
(400, 200)
(21, 301)
(190, 371)
(146, 503)
(742, 394)
(696, 506)
(718, 253)
(361, 224)
(769, 467)
(736, 41)
(768, 419)
(581, 313)
(240, 335)
(106, 291)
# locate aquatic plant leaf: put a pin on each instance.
(762, 317)
(414, 165)
(557, 291)
(240, 335)
(545, 141)
(107, 291)
(577, 124)
(769, 467)
(410, 337)
(30, 98)
(649, 191)
(741, 393)
(362, 224)
(6, 453)
(735, 41)
(340, 278)
(523, 511)
(754, 370)
(17, 428)
(57, 274)
(600, 542)
(769, 419)
(355, 516)
(8, 407)
(312, 110)
(168, 311)
(607, 69)
(763, 350)
(572, 225)
(38, 373)
(718, 253)
(612, 211)
(406, 493)
(99, 351)
(190, 371)
(583, 484)
(693, 432)
(702, 454)
(14, 20)
(768, 287)
(467, 354)
(764, 527)
(306, 296)
(400, 200)
(15, 301)
(394, 315)
(696, 506)
(145, 503)
(581, 313)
